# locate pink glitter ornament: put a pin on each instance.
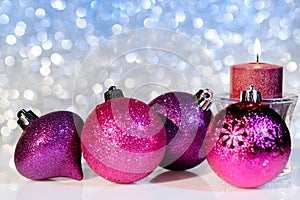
(123, 139)
(248, 144)
(186, 118)
(49, 146)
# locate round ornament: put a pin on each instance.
(186, 118)
(49, 146)
(248, 144)
(123, 139)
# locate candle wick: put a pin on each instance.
(257, 58)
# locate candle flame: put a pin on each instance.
(257, 48)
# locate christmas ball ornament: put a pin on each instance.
(123, 139)
(186, 118)
(248, 144)
(49, 146)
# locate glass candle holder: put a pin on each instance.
(284, 106)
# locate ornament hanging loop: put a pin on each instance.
(203, 99)
(112, 93)
(251, 95)
(24, 118)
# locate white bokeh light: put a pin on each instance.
(11, 39)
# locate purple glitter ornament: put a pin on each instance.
(123, 139)
(248, 144)
(186, 123)
(49, 146)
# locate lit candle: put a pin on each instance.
(267, 78)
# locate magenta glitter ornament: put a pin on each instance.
(186, 118)
(49, 146)
(248, 144)
(123, 139)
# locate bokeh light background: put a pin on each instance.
(63, 55)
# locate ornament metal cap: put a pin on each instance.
(112, 93)
(250, 95)
(25, 117)
(203, 98)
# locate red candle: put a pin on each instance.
(266, 78)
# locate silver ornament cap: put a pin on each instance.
(24, 118)
(112, 93)
(251, 95)
(203, 98)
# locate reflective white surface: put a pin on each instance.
(197, 183)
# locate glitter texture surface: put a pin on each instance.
(247, 145)
(49, 147)
(68, 53)
(186, 126)
(123, 140)
(266, 78)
